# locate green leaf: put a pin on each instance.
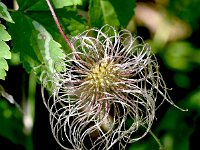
(4, 13)
(35, 45)
(63, 3)
(124, 10)
(34, 32)
(21, 32)
(49, 49)
(95, 14)
(4, 51)
(102, 12)
(24, 4)
(71, 23)
(4, 34)
(4, 66)
(113, 12)
(35, 5)
(38, 6)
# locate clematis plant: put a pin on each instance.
(108, 79)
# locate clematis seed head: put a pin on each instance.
(107, 91)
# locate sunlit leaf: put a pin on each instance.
(37, 5)
(4, 51)
(49, 49)
(4, 36)
(102, 12)
(62, 3)
(113, 12)
(4, 13)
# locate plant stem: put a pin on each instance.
(11, 10)
(59, 26)
(157, 140)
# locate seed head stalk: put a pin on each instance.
(60, 28)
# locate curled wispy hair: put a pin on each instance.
(107, 91)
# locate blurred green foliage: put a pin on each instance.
(187, 10)
(11, 126)
(179, 56)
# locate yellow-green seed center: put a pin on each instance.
(103, 75)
